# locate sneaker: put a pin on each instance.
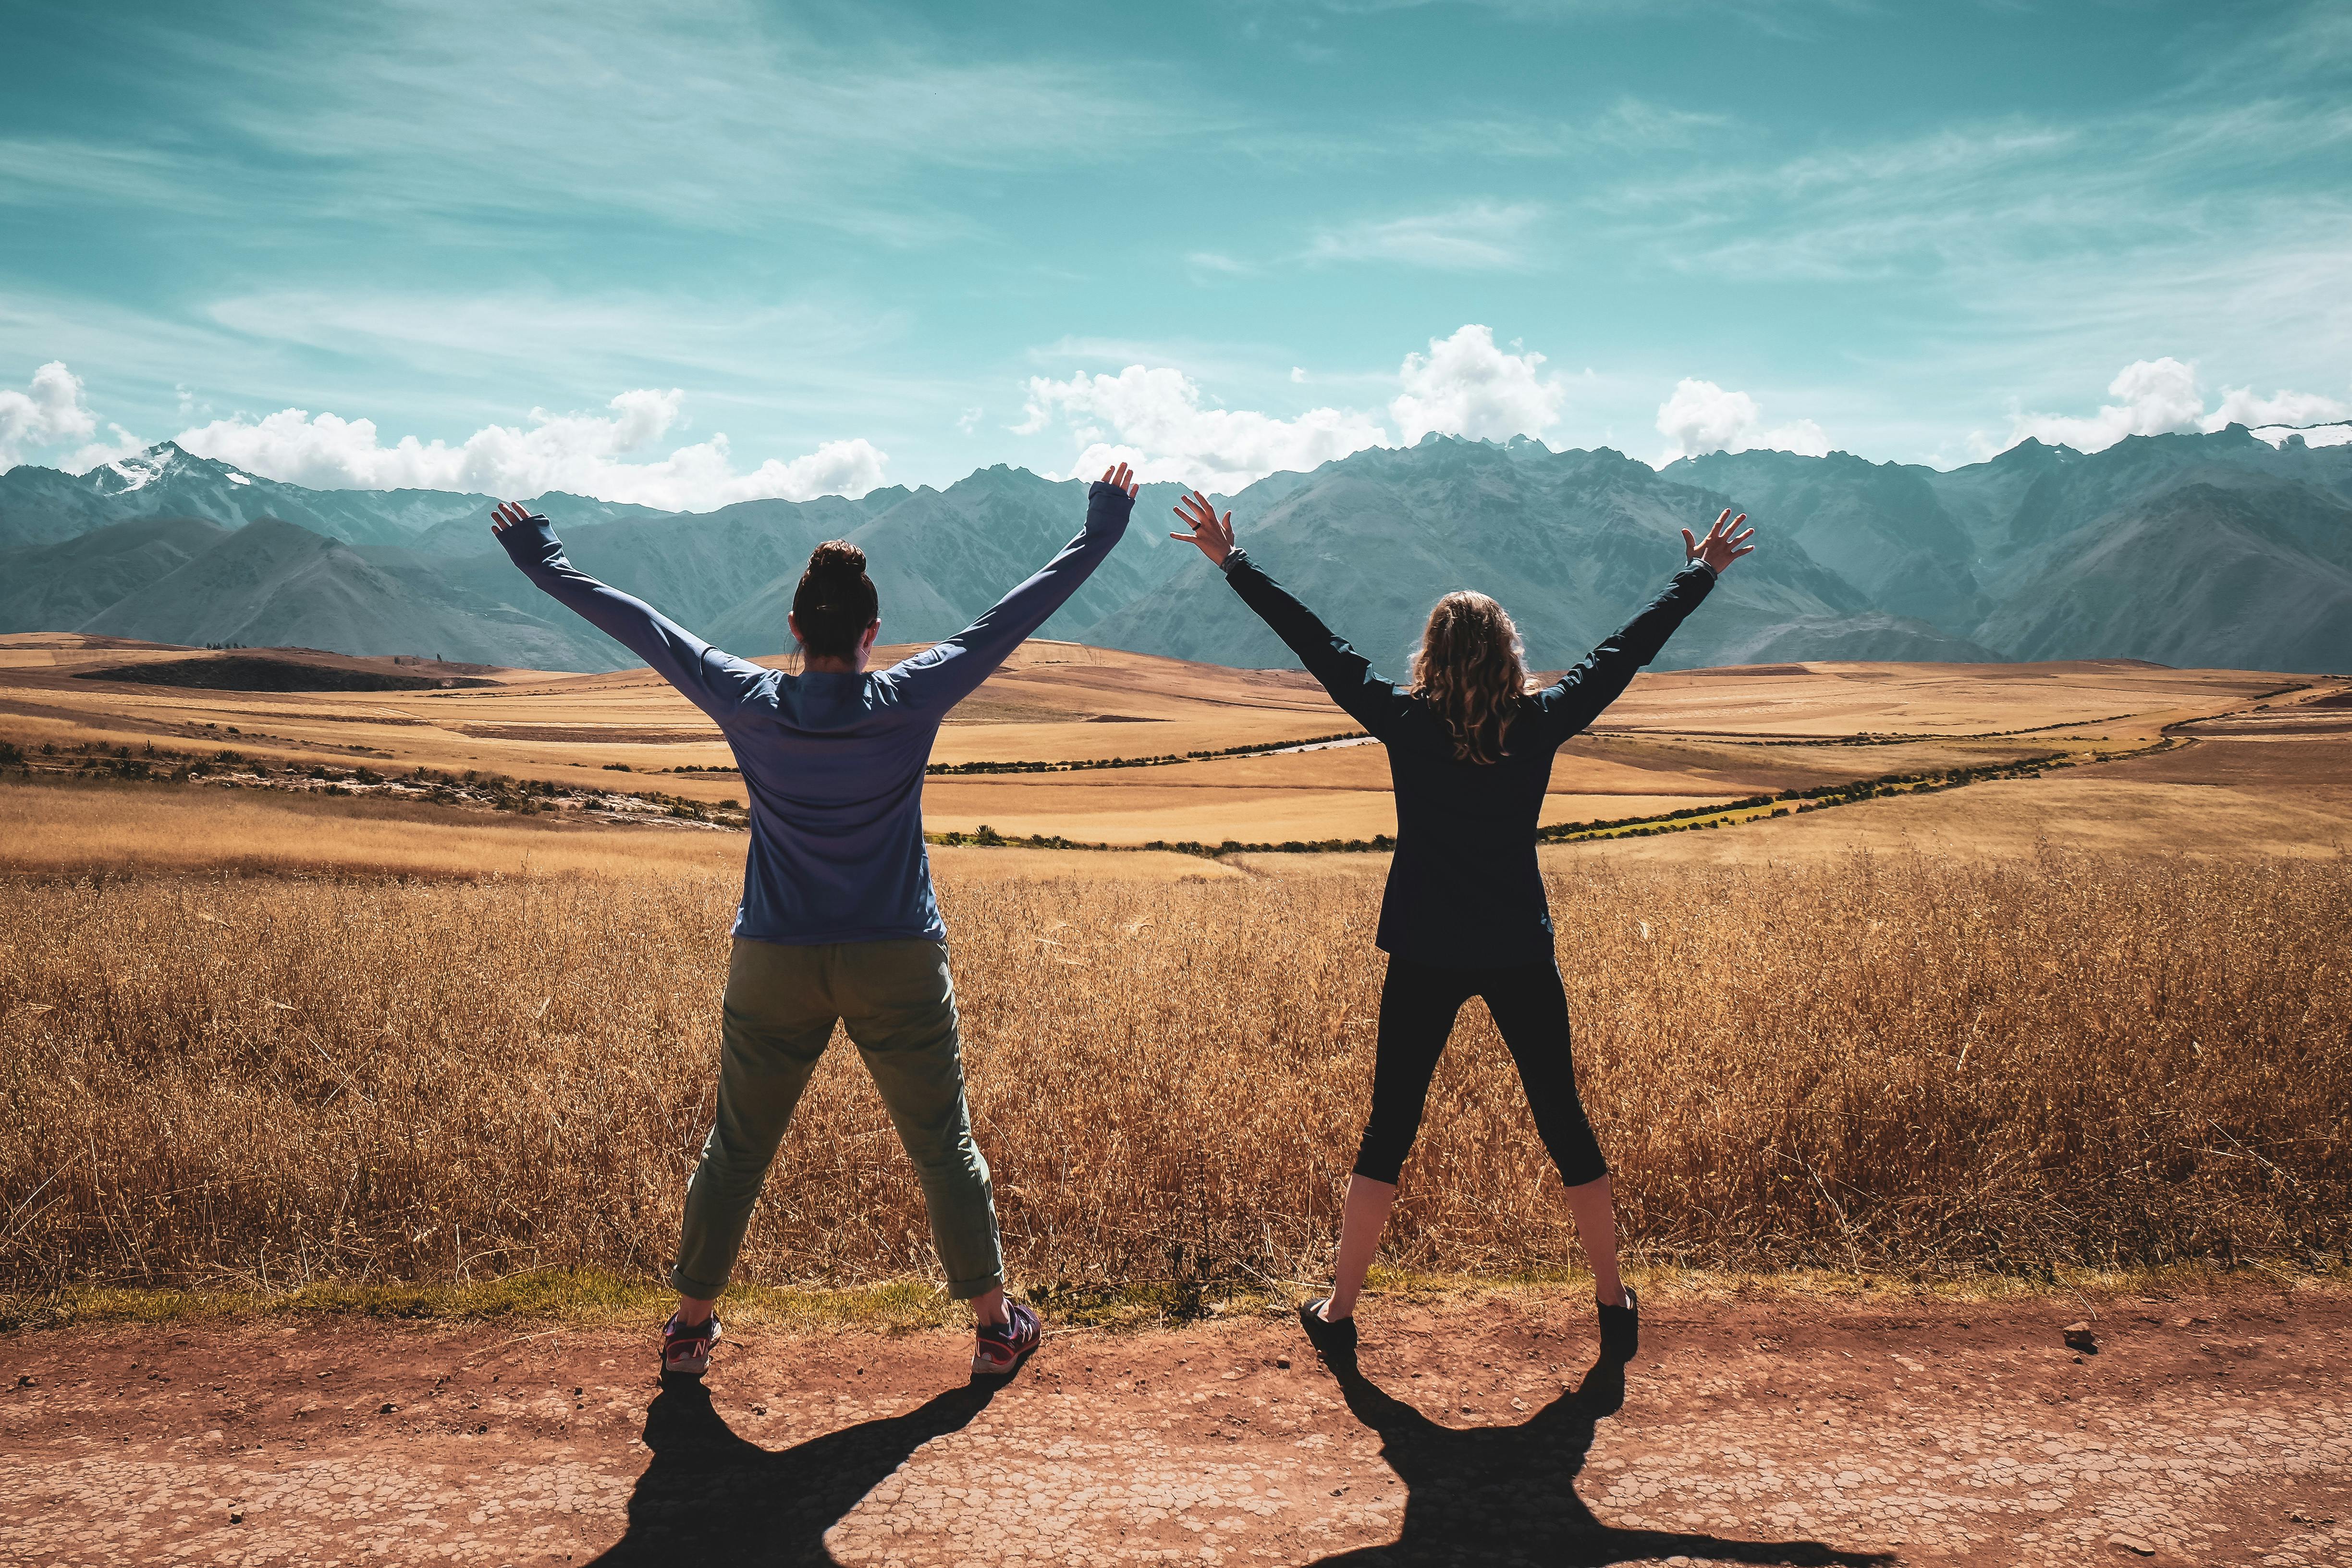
(686, 1352)
(1620, 1329)
(1003, 1346)
(1329, 1336)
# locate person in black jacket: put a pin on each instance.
(1470, 749)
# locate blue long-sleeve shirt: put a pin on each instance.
(833, 763)
(1464, 889)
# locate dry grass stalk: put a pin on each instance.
(1895, 1065)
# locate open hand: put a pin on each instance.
(1119, 476)
(1721, 547)
(507, 514)
(1213, 534)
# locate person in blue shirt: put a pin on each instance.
(1470, 750)
(838, 922)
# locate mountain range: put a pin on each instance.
(2221, 550)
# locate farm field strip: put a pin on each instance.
(1325, 816)
(1824, 699)
(1043, 760)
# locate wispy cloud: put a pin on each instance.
(717, 115)
(1987, 196)
(1629, 126)
(2034, 253)
(1205, 265)
(1480, 237)
(76, 173)
(1789, 18)
(775, 344)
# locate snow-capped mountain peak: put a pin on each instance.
(126, 474)
(165, 462)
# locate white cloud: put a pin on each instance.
(50, 413)
(1702, 417)
(1161, 428)
(2154, 397)
(123, 445)
(1153, 417)
(2161, 396)
(584, 454)
(2241, 406)
(1467, 386)
(1478, 237)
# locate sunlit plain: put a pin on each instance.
(264, 1036)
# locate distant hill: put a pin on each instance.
(2214, 550)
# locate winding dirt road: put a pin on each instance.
(2212, 1431)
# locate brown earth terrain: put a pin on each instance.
(1676, 741)
(2213, 1430)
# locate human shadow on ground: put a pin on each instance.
(1507, 1494)
(712, 1497)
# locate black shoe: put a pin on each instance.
(686, 1352)
(1621, 1330)
(1331, 1339)
(1001, 1348)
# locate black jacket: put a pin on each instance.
(1463, 890)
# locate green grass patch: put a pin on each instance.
(584, 1298)
(588, 1298)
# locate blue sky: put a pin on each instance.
(573, 246)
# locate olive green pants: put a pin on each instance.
(780, 1006)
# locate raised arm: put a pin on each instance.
(716, 682)
(942, 675)
(1577, 699)
(1368, 698)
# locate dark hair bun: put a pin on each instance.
(836, 555)
(836, 601)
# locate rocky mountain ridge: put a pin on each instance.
(2230, 549)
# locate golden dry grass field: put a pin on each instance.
(1911, 1066)
(1675, 740)
(2081, 1014)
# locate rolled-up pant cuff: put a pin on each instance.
(698, 1289)
(970, 1289)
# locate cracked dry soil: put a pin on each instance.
(2210, 1431)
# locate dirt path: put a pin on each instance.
(2216, 1431)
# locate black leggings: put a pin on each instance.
(1417, 1007)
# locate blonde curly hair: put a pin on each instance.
(1471, 668)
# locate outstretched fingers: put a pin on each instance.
(1214, 534)
(1721, 546)
(1123, 478)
